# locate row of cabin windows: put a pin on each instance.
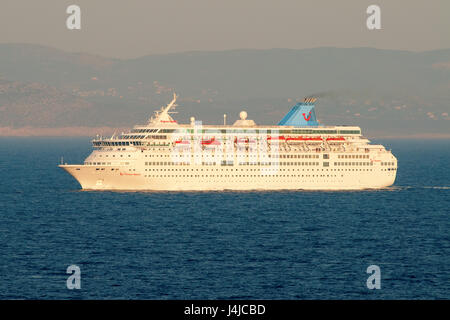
(246, 175)
(282, 156)
(159, 170)
(387, 163)
(353, 163)
(133, 136)
(259, 163)
(108, 143)
(127, 143)
(290, 170)
(241, 176)
(144, 130)
(102, 163)
(353, 156)
(113, 155)
(97, 163)
(296, 156)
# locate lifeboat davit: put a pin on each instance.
(243, 140)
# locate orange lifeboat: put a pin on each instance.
(210, 142)
(335, 139)
(276, 138)
(304, 139)
(180, 142)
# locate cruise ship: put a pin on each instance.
(299, 153)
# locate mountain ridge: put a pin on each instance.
(374, 88)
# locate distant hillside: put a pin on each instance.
(383, 91)
(23, 104)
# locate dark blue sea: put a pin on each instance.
(221, 245)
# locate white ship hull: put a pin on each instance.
(92, 179)
(296, 154)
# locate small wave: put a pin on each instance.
(441, 188)
(418, 187)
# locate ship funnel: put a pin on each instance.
(302, 114)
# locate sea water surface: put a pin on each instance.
(221, 245)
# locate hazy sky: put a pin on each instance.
(132, 28)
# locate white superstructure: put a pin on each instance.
(166, 155)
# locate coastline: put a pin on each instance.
(107, 131)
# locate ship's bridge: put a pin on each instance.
(162, 117)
